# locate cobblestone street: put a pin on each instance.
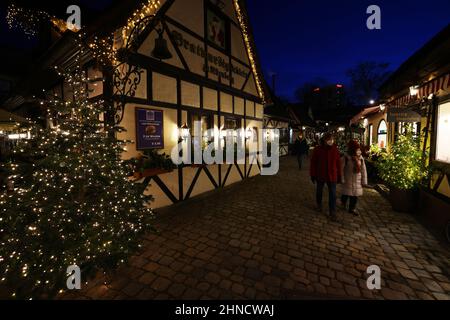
(262, 239)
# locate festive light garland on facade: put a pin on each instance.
(105, 49)
(28, 20)
(72, 162)
(148, 9)
(248, 44)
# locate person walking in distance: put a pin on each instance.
(326, 169)
(302, 149)
(354, 176)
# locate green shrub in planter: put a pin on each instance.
(402, 166)
(403, 170)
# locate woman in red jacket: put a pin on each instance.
(326, 169)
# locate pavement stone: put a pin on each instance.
(262, 239)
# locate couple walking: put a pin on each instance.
(328, 167)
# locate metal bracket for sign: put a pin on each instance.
(126, 82)
(126, 76)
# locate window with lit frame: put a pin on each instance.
(443, 132)
(382, 135)
(207, 123)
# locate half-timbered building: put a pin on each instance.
(176, 62)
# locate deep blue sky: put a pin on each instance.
(301, 40)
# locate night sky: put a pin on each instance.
(302, 40)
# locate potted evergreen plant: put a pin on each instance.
(403, 170)
(151, 163)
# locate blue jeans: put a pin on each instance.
(332, 195)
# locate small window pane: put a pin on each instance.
(443, 132)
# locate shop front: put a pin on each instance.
(420, 102)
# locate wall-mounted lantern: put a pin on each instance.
(414, 90)
(249, 134)
(184, 132)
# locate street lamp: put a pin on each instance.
(372, 102)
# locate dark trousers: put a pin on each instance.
(353, 202)
(300, 157)
(331, 198)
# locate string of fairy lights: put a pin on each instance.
(248, 44)
(148, 9)
(63, 199)
(27, 20)
(78, 207)
(105, 49)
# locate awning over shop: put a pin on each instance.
(363, 114)
(424, 91)
(433, 87)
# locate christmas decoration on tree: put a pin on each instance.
(73, 203)
(402, 166)
(29, 20)
(26, 20)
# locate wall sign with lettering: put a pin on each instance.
(402, 115)
(149, 129)
(216, 65)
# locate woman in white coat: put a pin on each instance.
(354, 176)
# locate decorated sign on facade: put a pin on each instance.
(149, 129)
(216, 28)
(402, 115)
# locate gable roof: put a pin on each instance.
(125, 14)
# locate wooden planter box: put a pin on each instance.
(434, 210)
(404, 200)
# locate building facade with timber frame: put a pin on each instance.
(212, 76)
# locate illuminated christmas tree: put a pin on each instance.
(402, 167)
(73, 203)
